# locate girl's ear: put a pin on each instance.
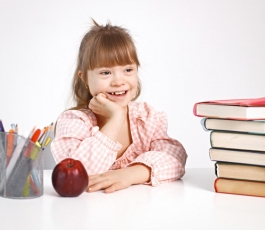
(80, 74)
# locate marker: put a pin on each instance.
(30, 145)
(1, 126)
(35, 136)
(10, 145)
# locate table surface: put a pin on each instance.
(190, 203)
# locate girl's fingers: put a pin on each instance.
(110, 181)
(98, 186)
(94, 104)
(97, 182)
(102, 98)
(97, 101)
(94, 179)
(103, 95)
(111, 189)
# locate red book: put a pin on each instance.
(237, 109)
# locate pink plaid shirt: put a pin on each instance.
(78, 136)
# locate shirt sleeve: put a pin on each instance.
(76, 137)
(166, 156)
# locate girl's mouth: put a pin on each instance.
(118, 93)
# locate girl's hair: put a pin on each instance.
(102, 46)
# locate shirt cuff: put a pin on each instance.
(144, 160)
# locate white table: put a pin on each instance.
(190, 203)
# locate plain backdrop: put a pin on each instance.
(190, 51)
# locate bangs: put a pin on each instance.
(111, 50)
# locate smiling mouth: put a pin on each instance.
(121, 93)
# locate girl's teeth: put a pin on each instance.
(118, 93)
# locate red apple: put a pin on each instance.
(69, 178)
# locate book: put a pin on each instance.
(254, 126)
(234, 140)
(240, 171)
(239, 109)
(237, 156)
(239, 187)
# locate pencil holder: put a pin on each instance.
(21, 167)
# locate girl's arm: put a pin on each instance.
(166, 157)
(164, 162)
(77, 136)
(114, 180)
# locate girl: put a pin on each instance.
(120, 142)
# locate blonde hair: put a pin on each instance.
(102, 46)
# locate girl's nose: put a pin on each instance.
(117, 79)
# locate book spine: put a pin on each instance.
(215, 185)
(203, 124)
(210, 154)
(211, 139)
(195, 109)
(215, 169)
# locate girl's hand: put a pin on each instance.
(115, 114)
(115, 180)
(101, 105)
(110, 181)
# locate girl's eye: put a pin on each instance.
(105, 72)
(128, 70)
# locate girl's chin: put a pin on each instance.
(121, 103)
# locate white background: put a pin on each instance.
(190, 51)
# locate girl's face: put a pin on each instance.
(118, 83)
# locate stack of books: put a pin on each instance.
(237, 141)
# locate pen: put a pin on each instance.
(43, 134)
(36, 179)
(13, 126)
(33, 185)
(47, 138)
(16, 129)
(16, 136)
(47, 142)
